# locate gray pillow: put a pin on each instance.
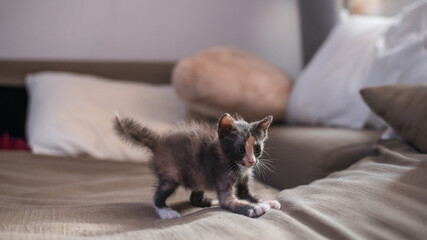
(404, 108)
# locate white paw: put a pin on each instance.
(214, 202)
(167, 213)
(274, 204)
(256, 211)
(264, 206)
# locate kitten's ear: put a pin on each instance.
(262, 125)
(226, 125)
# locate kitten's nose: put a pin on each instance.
(251, 161)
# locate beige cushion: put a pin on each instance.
(301, 155)
(404, 107)
(224, 79)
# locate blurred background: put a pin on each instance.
(160, 30)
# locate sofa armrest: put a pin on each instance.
(303, 154)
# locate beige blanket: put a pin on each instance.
(383, 197)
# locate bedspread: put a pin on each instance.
(43, 197)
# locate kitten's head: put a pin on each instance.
(243, 142)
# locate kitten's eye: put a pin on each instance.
(240, 150)
(257, 149)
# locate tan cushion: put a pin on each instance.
(303, 154)
(224, 79)
(404, 107)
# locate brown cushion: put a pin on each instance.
(303, 154)
(224, 79)
(404, 108)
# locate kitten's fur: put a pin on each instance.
(205, 157)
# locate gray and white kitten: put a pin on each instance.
(201, 157)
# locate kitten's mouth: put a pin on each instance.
(243, 164)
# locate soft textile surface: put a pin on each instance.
(362, 52)
(72, 114)
(381, 197)
(55, 197)
(404, 107)
(301, 155)
(224, 79)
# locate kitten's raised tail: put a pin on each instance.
(135, 133)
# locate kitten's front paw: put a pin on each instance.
(273, 204)
(265, 206)
(167, 213)
(257, 211)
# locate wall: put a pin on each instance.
(159, 30)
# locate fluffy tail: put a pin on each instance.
(135, 133)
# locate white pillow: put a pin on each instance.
(361, 52)
(72, 114)
(323, 92)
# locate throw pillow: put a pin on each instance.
(224, 79)
(404, 107)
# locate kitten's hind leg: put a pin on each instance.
(165, 190)
(198, 199)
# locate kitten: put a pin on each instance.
(204, 157)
